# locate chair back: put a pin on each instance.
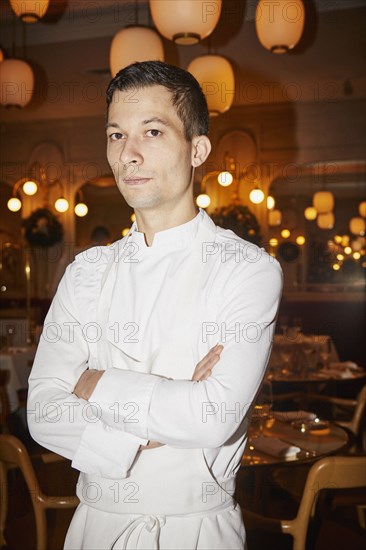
(4, 400)
(336, 472)
(13, 452)
(356, 423)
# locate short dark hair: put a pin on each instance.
(187, 96)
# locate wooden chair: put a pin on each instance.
(4, 400)
(356, 425)
(336, 472)
(13, 453)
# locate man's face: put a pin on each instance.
(147, 151)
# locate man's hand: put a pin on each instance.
(201, 372)
(87, 382)
(204, 367)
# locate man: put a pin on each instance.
(127, 381)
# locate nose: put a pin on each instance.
(130, 153)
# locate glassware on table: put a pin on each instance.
(325, 351)
(286, 351)
(262, 416)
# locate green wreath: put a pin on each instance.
(42, 228)
(239, 219)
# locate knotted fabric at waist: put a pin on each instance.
(163, 481)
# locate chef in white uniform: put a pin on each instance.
(127, 381)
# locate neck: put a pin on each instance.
(151, 222)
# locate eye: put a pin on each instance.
(153, 133)
(115, 136)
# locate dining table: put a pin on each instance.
(291, 437)
(18, 361)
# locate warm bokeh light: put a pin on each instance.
(203, 200)
(30, 188)
(362, 209)
(81, 209)
(133, 217)
(285, 233)
(340, 257)
(337, 239)
(300, 240)
(14, 204)
(125, 231)
(356, 255)
(310, 213)
(62, 205)
(225, 179)
(256, 196)
(348, 250)
(336, 267)
(274, 217)
(270, 202)
(357, 226)
(345, 240)
(273, 242)
(323, 201)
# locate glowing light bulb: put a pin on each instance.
(256, 196)
(62, 205)
(81, 209)
(225, 179)
(310, 213)
(300, 240)
(14, 204)
(30, 188)
(203, 200)
(270, 202)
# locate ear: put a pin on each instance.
(201, 148)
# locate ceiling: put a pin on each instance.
(69, 52)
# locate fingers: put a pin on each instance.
(205, 366)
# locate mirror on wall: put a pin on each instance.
(328, 249)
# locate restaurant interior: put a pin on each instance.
(285, 83)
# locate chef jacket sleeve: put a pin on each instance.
(205, 414)
(57, 418)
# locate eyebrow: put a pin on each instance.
(143, 123)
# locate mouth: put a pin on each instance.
(135, 181)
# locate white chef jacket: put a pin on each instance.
(147, 316)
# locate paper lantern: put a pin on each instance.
(16, 83)
(362, 209)
(136, 43)
(310, 213)
(325, 221)
(185, 22)
(274, 218)
(216, 78)
(323, 202)
(357, 226)
(279, 24)
(29, 11)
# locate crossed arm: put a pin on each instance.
(90, 378)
